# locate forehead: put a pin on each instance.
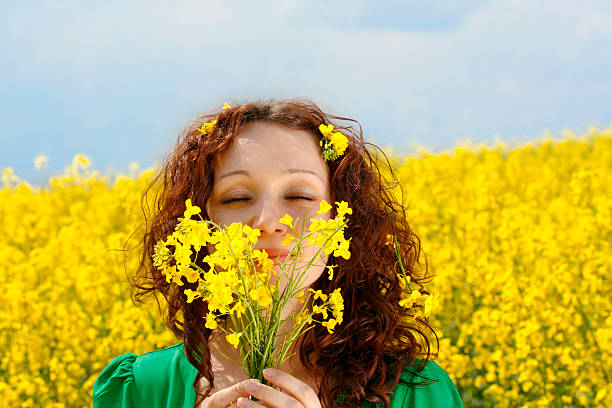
(262, 148)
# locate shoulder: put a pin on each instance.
(436, 388)
(150, 379)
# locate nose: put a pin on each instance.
(266, 218)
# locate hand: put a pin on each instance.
(297, 394)
(223, 398)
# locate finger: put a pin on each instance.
(272, 397)
(246, 403)
(229, 395)
(293, 386)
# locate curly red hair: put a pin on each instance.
(364, 357)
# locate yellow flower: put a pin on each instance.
(316, 309)
(318, 294)
(263, 260)
(316, 225)
(287, 220)
(226, 106)
(251, 234)
(83, 160)
(390, 240)
(343, 250)
(288, 239)
(261, 295)
(337, 303)
(326, 130)
(403, 280)
(330, 270)
(191, 295)
(303, 316)
(323, 207)
(207, 128)
(172, 275)
(190, 274)
(343, 209)
(220, 295)
(182, 254)
(199, 235)
(340, 142)
(191, 209)
(161, 254)
(507, 327)
(233, 339)
(408, 301)
(330, 324)
(431, 304)
(238, 309)
(211, 323)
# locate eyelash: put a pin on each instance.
(231, 200)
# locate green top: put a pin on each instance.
(164, 378)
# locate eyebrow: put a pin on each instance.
(287, 171)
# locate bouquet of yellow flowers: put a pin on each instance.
(241, 284)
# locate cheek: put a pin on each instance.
(318, 265)
(220, 216)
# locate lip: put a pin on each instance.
(277, 254)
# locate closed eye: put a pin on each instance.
(300, 198)
(231, 200)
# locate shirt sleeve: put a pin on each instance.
(440, 392)
(116, 385)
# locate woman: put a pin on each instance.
(254, 163)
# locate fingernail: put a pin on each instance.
(269, 372)
(252, 386)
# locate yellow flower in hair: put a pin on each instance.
(340, 142)
(207, 128)
(333, 143)
(327, 130)
(226, 106)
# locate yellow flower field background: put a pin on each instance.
(520, 241)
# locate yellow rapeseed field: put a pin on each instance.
(519, 241)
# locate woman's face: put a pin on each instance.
(269, 171)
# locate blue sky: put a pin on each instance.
(117, 80)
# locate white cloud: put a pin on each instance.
(503, 63)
